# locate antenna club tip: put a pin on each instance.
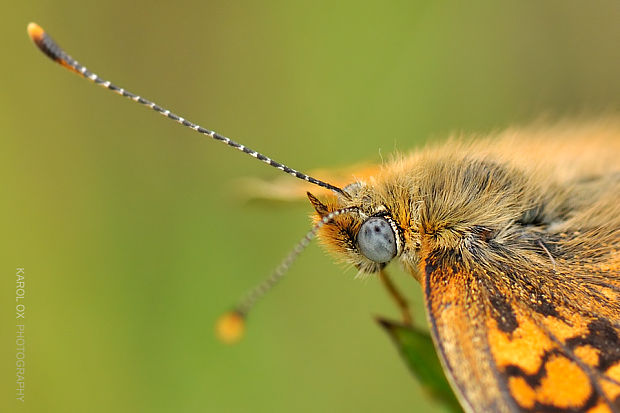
(230, 327)
(35, 31)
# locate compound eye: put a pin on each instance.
(376, 240)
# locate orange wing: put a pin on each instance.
(514, 338)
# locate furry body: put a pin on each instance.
(515, 240)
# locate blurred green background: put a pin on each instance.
(132, 238)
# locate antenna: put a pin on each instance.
(230, 326)
(48, 46)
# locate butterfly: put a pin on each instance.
(515, 240)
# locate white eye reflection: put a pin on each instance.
(376, 240)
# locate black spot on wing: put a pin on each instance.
(546, 308)
(542, 304)
(435, 263)
(430, 267)
(602, 336)
(503, 313)
(501, 310)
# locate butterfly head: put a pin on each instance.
(368, 238)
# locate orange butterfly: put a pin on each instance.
(515, 240)
(516, 244)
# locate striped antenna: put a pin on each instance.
(48, 46)
(230, 326)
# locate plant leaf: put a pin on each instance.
(417, 349)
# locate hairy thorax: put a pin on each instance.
(468, 200)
